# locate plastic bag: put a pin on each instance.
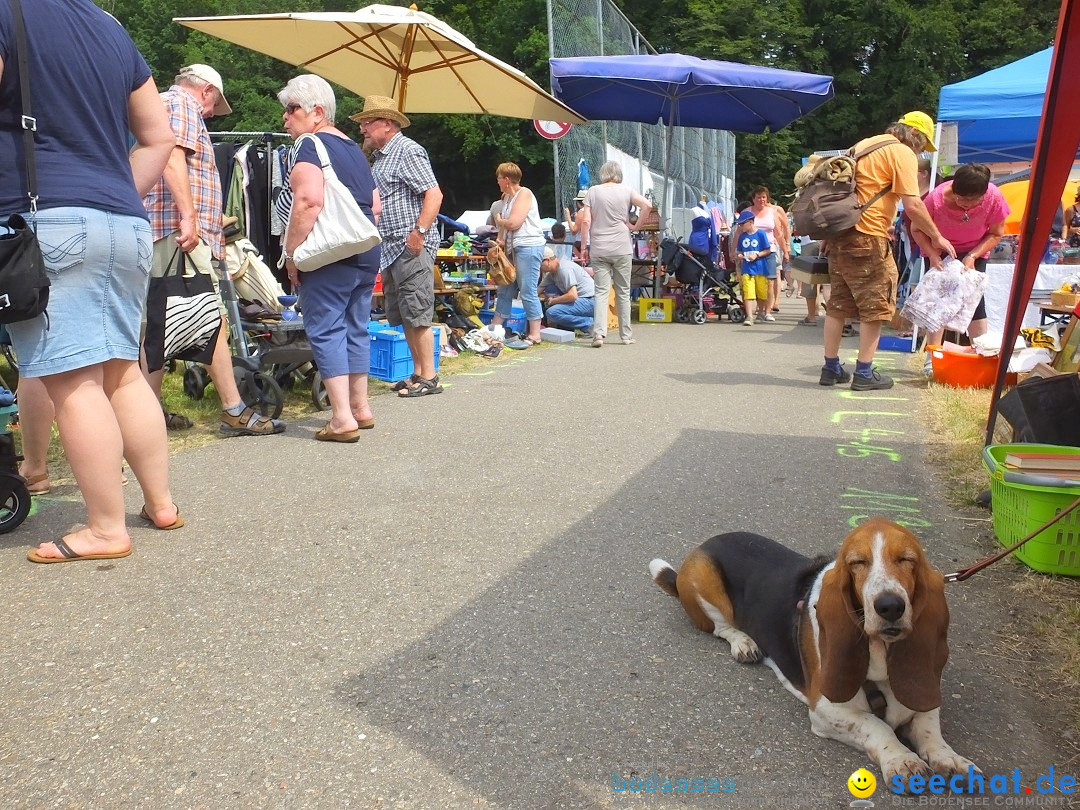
(972, 284)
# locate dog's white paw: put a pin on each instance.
(745, 650)
(905, 766)
(950, 763)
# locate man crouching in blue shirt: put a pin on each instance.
(568, 291)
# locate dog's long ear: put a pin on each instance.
(844, 650)
(916, 662)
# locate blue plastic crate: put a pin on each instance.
(516, 321)
(390, 357)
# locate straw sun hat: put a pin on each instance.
(380, 107)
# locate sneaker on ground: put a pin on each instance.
(748, 322)
(597, 342)
(830, 377)
(249, 423)
(770, 318)
(628, 341)
(875, 382)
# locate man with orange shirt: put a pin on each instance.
(862, 272)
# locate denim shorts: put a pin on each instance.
(99, 267)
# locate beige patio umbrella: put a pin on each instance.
(413, 57)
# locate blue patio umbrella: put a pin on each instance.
(686, 91)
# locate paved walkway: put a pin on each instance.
(456, 611)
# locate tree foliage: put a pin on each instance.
(886, 57)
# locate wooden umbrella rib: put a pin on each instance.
(384, 54)
(452, 65)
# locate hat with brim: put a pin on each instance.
(380, 107)
(922, 123)
(582, 194)
(745, 216)
(211, 77)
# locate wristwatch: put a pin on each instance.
(420, 229)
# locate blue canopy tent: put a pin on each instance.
(997, 113)
(686, 91)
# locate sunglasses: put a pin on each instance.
(292, 108)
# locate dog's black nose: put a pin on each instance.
(889, 606)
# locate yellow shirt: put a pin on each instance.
(894, 167)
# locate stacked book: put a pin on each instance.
(1061, 465)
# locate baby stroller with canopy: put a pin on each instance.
(705, 288)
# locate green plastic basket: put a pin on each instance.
(1023, 502)
(7, 413)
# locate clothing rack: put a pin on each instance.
(267, 138)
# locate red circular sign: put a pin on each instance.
(552, 130)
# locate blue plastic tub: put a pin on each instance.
(516, 321)
(390, 357)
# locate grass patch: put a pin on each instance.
(206, 412)
(956, 421)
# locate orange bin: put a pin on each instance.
(965, 369)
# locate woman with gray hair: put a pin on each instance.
(335, 298)
(605, 240)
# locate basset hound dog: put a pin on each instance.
(841, 634)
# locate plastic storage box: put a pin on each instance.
(390, 357)
(655, 310)
(1022, 504)
(516, 321)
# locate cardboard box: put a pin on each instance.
(553, 335)
(1060, 298)
(810, 269)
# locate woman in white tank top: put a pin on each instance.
(520, 231)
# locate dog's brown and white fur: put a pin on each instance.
(876, 615)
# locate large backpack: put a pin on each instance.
(826, 202)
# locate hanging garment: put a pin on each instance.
(702, 234)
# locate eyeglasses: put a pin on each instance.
(292, 108)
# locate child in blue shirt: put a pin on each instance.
(751, 271)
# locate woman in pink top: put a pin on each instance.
(970, 212)
(772, 219)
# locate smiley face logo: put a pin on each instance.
(862, 784)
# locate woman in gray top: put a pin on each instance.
(605, 240)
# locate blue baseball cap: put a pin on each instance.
(745, 216)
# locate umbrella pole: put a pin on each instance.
(663, 204)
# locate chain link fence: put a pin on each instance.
(702, 162)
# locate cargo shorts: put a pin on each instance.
(409, 289)
(863, 277)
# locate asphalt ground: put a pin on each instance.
(457, 612)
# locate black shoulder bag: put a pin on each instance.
(24, 284)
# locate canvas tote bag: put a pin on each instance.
(341, 229)
(183, 319)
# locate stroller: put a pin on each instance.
(705, 288)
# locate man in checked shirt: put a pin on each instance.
(411, 199)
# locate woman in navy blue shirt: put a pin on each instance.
(336, 298)
(90, 88)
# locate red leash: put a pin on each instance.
(964, 573)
